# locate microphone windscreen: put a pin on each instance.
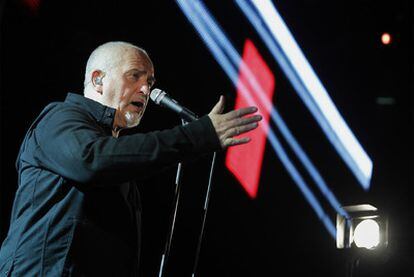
(154, 95)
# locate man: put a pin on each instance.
(77, 209)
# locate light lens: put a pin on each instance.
(386, 38)
(367, 234)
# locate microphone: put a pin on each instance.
(161, 98)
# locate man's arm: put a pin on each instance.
(70, 145)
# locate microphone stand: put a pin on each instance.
(207, 199)
(166, 253)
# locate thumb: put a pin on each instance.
(219, 107)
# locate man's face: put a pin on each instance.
(127, 86)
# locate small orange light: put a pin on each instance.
(386, 38)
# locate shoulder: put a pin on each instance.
(60, 116)
(61, 111)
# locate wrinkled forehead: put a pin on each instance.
(137, 59)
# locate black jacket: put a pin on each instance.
(77, 209)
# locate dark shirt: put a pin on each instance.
(77, 210)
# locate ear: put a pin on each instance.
(97, 76)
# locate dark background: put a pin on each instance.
(44, 48)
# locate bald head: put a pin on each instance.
(108, 56)
(120, 75)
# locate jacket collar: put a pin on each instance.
(103, 114)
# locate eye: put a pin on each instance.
(151, 82)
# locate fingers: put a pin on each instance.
(234, 123)
(240, 113)
(235, 141)
(219, 107)
(230, 138)
(241, 129)
(244, 121)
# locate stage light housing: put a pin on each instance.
(363, 226)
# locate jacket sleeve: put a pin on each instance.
(71, 144)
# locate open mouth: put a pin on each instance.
(137, 104)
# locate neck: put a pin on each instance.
(95, 96)
(118, 123)
(91, 95)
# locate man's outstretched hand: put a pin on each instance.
(233, 123)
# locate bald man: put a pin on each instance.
(77, 209)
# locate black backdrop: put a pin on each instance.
(44, 48)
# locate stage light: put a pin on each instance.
(224, 53)
(286, 51)
(367, 234)
(229, 59)
(364, 227)
(386, 38)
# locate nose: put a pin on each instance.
(145, 90)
